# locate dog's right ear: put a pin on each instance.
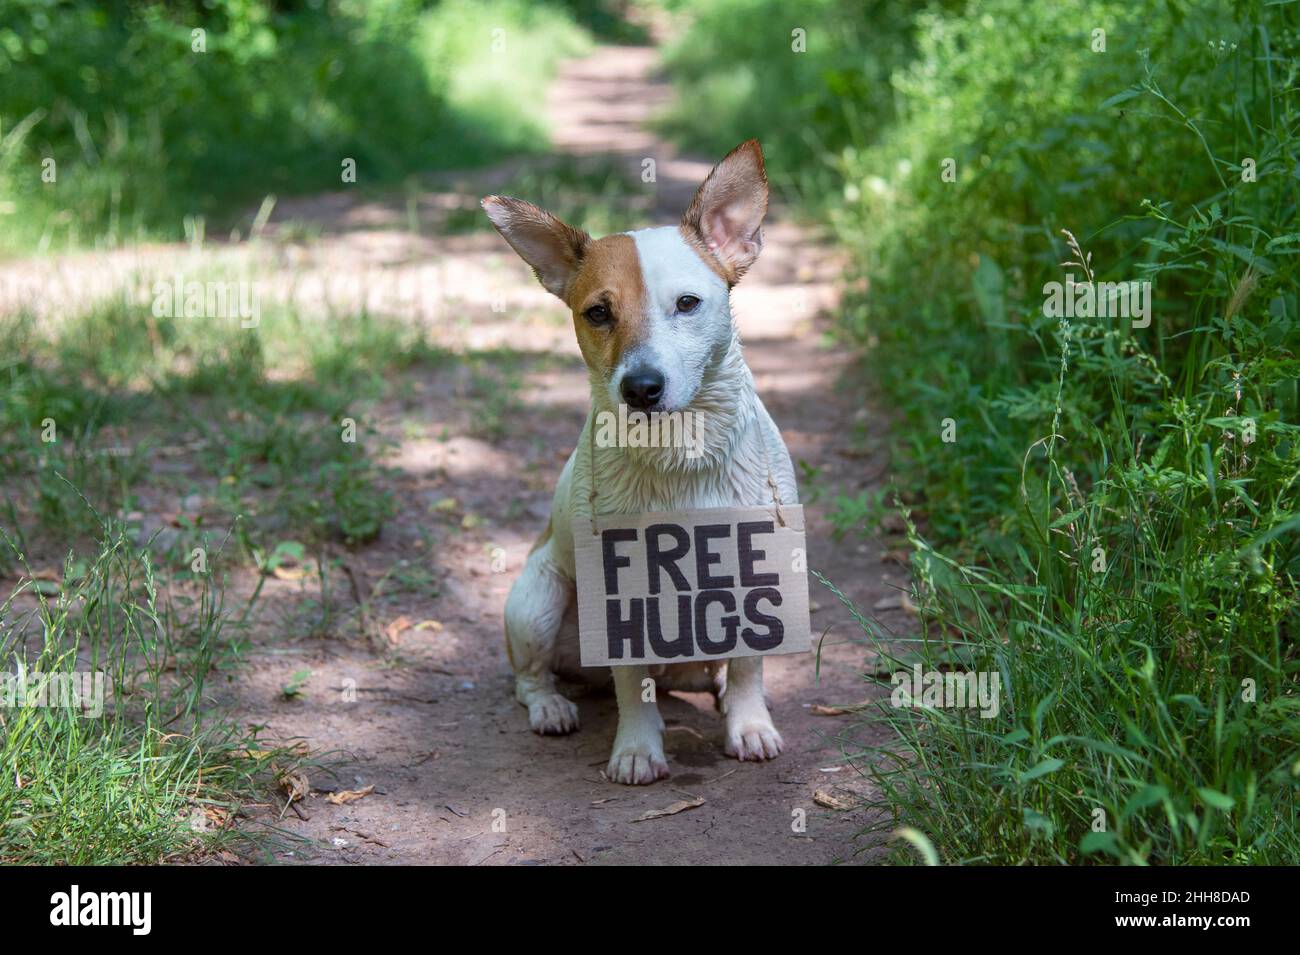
(553, 248)
(726, 215)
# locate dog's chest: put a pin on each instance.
(624, 487)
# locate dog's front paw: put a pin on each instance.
(552, 714)
(755, 739)
(637, 764)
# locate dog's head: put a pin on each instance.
(651, 308)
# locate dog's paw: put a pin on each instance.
(637, 765)
(755, 739)
(552, 715)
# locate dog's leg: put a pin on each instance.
(534, 611)
(750, 733)
(638, 755)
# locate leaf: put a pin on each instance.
(828, 800)
(285, 553)
(1067, 518)
(844, 710)
(1216, 800)
(1188, 700)
(1036, 822)
(672, 810)
(1144, 798)
(1041, 708)
(1098, 842)
(296, 682)
(291, 550)
(349, 795)
(1042, 769)
(289, 573)
(1122, 97)
(394, 630)
(1105, 746)
(920, 842)
(295, 784)
(989, 290)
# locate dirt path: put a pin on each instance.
(432, 724)
(418, 701)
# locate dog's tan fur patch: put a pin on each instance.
(609, 275)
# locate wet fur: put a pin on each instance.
(639, 277)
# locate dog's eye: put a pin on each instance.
(687, 303)
(598, 315)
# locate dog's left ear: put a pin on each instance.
(553, 248)
(727, 212)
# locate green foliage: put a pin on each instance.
(1114, 528)
(140, 772)
(738, 76)
(272, 447)
(114, 414)
(146, 130)
(267, 451)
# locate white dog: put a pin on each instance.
(652, 313)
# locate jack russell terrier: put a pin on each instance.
(652, 313)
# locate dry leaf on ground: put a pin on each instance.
(295, 784)
(672, 810)
(349, 795)
(828, 800)
(394, 629)
(844, 710)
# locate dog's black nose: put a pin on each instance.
(642, 388)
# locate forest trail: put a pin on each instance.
(417, 700)
(440, 736)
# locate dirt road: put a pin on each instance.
(431, 723)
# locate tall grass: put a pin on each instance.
(1113, 527)
(253, 417)
(149, 771)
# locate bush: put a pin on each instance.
(738, 76)
(1113, 529)
(149, 122)
(1130, 490)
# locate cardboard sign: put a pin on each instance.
(690, 586)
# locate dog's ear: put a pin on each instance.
(553, 248)
(727, 212)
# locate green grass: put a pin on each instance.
(148, 459)
(738, 76)
(156, 774)
(256, 418)
(1113, 528)
(291, 450)
(150, 138)
(120, 391)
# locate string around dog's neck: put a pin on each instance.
(591, 476)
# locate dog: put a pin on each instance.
(652, 314)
